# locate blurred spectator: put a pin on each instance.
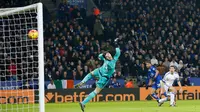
(154, 61)
(185, 82)
(180, 65)
(13, 71)
(98, 30)
(129, 84)
(166, 63)
(63, 10)
(51, 85)
(174, 63)
(57, 75)
(118, 75)
(164, 31)
(114, 83)
(161, 68)
(66, 75)
(142, 71)
(96, 11)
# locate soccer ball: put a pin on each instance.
(33, 34)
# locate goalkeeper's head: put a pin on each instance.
(107, 55)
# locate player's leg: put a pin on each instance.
(156, 86)
(172, 96)
(87, 77)
(153, 92)
(100, 85)
(89, 97)
(165, 90)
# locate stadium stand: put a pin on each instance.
(164, 31)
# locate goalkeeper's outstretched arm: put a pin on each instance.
(117, 49)
(101, 57)
(117, 54)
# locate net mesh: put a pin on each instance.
(18, 62)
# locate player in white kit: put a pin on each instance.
(167, 86)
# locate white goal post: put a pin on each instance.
(21, 60)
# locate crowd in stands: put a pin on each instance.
(16, 3)
(167, 32)
(16, 51)
(164, 31)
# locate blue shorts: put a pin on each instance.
(102, 78)
(156, 84)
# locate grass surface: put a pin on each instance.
(134, 106)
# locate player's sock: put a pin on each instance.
(172, 97)
(86, 78)
(89, 97)
(163, 100)
(155, 96)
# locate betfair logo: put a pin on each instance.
(17, 97)
(79, 96)
(49, 97)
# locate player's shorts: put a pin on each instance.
(157, 84)
(166, 87)
(103, 79)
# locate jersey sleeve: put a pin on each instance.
(152, 72)
(177, 77)
(101, 57)
(164, 78)
(117, 54)
(148, 78)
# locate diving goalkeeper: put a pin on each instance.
(103, 74)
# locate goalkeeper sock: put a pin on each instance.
(86, 78)
(155, 96)
(89, 97)
(172, 97)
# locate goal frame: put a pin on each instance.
(39, 7)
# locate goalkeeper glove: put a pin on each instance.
(116, 42)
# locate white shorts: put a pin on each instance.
(165, 87)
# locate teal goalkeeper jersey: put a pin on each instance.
(108, 67)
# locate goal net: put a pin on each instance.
(21, 60)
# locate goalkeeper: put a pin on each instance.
(103, 74)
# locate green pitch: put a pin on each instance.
(135, 106)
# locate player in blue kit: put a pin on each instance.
(153, 79)
(103, 74)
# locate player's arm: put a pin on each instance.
(179, 84)
(157, 72)
(149, 80)
(117, 49)
(101, 57)
(117, 54)
(149, 83)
